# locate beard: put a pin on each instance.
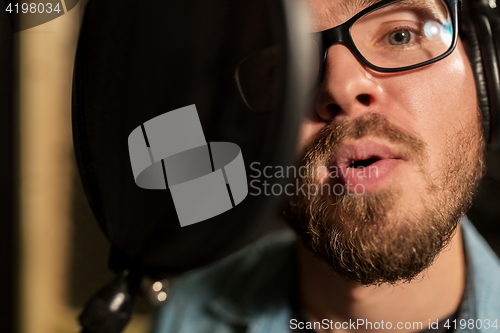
(366, 238)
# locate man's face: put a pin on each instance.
(418, 136)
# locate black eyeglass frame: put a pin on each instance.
(341, 34)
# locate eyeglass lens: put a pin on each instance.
(401, 34)
(404, 33)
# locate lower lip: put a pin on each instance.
(360, 180)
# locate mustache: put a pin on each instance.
(377, 125)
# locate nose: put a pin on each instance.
(348, 88)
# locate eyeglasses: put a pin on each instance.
(388, 36)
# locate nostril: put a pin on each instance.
(364, 99)
(333, 109)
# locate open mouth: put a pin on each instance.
(363, 163)
(366, 163)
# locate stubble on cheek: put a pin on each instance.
(393, 234)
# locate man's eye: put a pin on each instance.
(400, 37)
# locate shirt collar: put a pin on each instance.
(261, 300)
(480, 300)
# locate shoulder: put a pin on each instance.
(230, 290)
(483, 274)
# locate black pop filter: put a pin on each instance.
(138, 60)
(243, 65)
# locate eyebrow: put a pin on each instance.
(352, 7)
(367, 3)
(442, 11)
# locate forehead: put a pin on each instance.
(326, 14)
(329, 13)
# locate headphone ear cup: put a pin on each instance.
(490, 58)
(495, 109)
(471, 42)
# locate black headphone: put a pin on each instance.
(480, 30)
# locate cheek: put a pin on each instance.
(438, 100)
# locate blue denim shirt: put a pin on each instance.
(250, 291)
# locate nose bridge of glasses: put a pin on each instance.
(336, 35)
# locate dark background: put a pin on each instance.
(485, 214)
(8, 181)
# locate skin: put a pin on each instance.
(420, 102)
